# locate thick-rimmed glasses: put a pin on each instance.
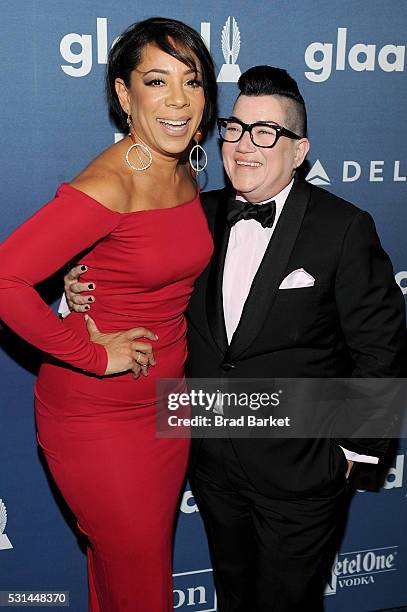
(263, 134)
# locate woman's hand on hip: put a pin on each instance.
(124, 351)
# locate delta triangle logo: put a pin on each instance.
(317, 175)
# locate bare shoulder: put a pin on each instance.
(102, 181)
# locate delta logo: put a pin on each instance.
(374, 171)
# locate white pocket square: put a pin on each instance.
(297, 279)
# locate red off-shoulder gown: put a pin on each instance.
(98, 433)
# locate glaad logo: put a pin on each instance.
(401, 280)
(317, 175)
(230, 71)
(188, 505)
(361, 57)
(77, 49)
(195, 591)
(361, 567)
(395, 475)
(4, 541)
(392, 480)
(83, 59)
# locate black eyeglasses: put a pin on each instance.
(263, 134)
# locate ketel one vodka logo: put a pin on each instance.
(361, 567)
(4, 541)
(230, 71)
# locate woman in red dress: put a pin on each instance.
(134, 214)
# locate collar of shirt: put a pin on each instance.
(279, 199)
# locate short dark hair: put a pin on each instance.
(171, 36)
(270, 81)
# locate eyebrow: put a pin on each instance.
(161, 71)
(262, 121)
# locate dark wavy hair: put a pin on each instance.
(173, 37)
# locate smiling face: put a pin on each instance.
(165, 100)
(257, 173)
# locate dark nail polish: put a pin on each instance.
(86, 307)
(91, 286)
(90, 299)
(83, 268)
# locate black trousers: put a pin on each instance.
(268, 555)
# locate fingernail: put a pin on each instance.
(86, 317)
(90, 299)
(91, 286)
(156, 337)
(83, 268)
(87, 307)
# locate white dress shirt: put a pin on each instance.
(248, 241)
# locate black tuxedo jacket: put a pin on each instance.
(350, 323)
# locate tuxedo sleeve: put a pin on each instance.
(64, 227)
(372, 316)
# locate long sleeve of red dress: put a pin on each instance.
(64, 227)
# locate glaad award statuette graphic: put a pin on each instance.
(230, 71)
(4, 541)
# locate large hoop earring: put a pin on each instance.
(136, 146)
(145, 150)
(197, 149)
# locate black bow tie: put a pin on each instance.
(263, 213)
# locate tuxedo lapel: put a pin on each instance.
(271, 270)
(214, 293)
